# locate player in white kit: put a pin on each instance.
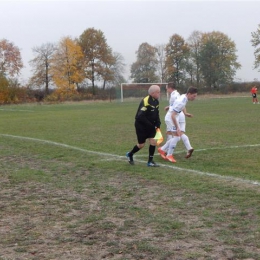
(175, 122)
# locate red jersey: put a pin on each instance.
(254, 90)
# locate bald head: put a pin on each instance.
(154, 91)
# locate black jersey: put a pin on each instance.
(147, 115)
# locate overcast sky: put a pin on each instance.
(127, 24)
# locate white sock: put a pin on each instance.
(186, 141)
(173, 144)
(166, 146)
(169, 137)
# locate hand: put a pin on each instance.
(189, 115)
(178, 132)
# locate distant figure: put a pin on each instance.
(254, 95)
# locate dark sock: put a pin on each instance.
(134, 150)
(151, 153)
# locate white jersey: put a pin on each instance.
(177, 106)
(174, 96)
(180, 103)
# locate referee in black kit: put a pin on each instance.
(147, 120)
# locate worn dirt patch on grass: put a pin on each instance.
(94, 214)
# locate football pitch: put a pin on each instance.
(68, 192)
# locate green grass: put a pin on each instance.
(67, 191)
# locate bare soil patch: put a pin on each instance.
(94, 214)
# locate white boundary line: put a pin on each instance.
(16, 110)
(216, 148)
(163, 165)
(59, 144)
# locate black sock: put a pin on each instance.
(134, 150)
(151, 153)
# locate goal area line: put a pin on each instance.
(138, 89)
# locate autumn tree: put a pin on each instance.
(97, 56)
(177, 52)
(218, 59)
(10, 59)
(67, 67)
(106, 69)
(145, 67)
(41, 64)
(194, 66)
(256, 44)
(118, 68)
(4, 89)
(161, 59)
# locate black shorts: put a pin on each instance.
(254, 95)
(144, 133)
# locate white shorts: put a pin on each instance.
(182, 117)
(170, 127)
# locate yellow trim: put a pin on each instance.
(146, 101)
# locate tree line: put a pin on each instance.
(72, 66)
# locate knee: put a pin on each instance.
(178, 138)
(152, 142)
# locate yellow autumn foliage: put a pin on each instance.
(67, 69)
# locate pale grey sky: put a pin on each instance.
(127, 24)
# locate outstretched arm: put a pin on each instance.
(186, 113)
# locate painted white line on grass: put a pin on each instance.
(141, 161)
(231, 178)
(229, 147)
(214, 175)
(58, 144)
(14, 110)
(229, 97)
(214, 148)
